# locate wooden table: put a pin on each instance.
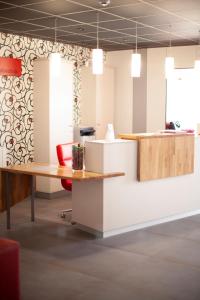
(11, 176)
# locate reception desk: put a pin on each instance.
(108, 198)
(163, 155)
(123, 204)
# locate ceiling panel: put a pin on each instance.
(139, 10)
(50, 21)
(113, 3)
(82, 29)
(19, 14)
(24, 2)
(157, 21)
(57, 7)
(177, 5)
(118, 24)
(90, 16)
(4, 6)
(192, 14)
(18, 27)
(107, 34)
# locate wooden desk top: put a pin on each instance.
(139, 136)
(55, 171)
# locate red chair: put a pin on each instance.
(9, 270)
(64, 154)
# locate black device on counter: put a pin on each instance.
(87, 131)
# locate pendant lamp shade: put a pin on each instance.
(197, 65)
(55, 58)
(135, 59)
(169, 66)
(135, 65)
(97, 61)
(169, 59)
(197, 61)
(97, 55)
(55, 63)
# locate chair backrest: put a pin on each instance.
(64, 153)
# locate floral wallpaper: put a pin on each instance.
(16, 93)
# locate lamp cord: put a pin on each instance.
(170, 36)
(136, 46)
(55, 29)
(97, 30)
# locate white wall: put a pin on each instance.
(140, 103)
(123, 91)
(156, 83)
(88, 97)
(53, 100)
(140, 97)
(105, 101)
(156, 89)
(97, 99)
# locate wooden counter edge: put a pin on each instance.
(140, 136)
(77, 175)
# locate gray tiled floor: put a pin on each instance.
(60, 262)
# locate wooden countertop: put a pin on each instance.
(163, 154)
(138, 136)
(54, 171)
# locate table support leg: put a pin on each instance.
(8, 200)
(32, 198)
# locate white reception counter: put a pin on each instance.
(116, 205)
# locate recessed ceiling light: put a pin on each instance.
(81, 29)
(104, 3)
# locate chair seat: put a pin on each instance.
(9, 270)
(66, 184)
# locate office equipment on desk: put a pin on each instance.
(83, 134)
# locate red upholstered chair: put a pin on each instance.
(64, 154)
(9, 270)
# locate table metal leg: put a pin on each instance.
(32, 198)
(8, 200)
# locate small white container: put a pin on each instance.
(110, 135)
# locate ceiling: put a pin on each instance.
(75, 22)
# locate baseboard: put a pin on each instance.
(96, 233)
(109, 233)
(54, 195)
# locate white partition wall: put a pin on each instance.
(53, 115)
(97, 99)
(2, 156)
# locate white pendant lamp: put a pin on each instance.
(55, 58)
(97, 55)
(136, 61)
(169, 66)
(197, 61)
(169, 61)
(97, 61)
(197, 65)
